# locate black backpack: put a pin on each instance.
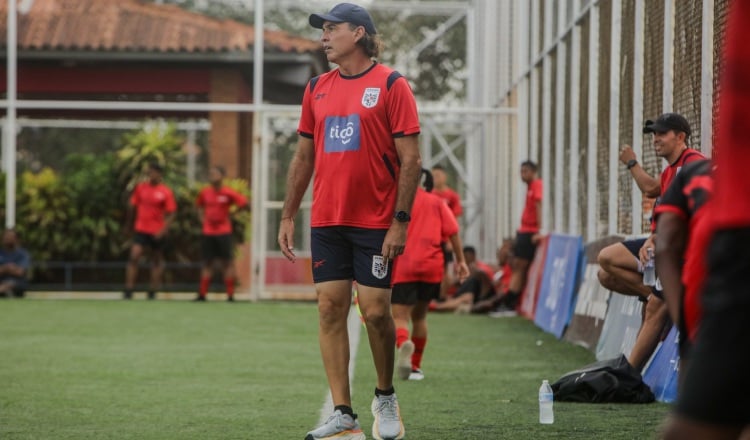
(608, 381)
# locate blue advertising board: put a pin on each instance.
(559, 283)
(663, 368)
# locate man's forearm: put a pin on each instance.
(297, 179)
(411, 170)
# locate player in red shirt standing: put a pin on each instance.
(215, 202)
(527, 236)
(417, 274)
(358, 134)
(452, 199)
(154, 207)
(712, 402)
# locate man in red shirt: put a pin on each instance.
(214, 203)
(154, 207)
(358, 134)
(712, 402)
(526, 238)
(621, 264)
(417, 274)
(452, 199)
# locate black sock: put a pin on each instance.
(345, 410)
(387, 392)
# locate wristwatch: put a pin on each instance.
(632, 163)
(402, 216)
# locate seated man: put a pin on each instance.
(478, 286)
(501, 279)
(14, 265)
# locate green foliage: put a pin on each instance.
(45, 213)
(78, 212)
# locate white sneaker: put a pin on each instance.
(339, 426)
(416, 374)
(403, 361)
(387, 424)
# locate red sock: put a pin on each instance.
(402, 335)
(229, 283)
(416, 358)
(205, 282)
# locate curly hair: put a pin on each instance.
(370, 43)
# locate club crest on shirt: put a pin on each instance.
(379, 268)
(370, 97)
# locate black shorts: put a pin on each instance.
(349, 253)
(716, 383)
(149, 240)
(409, 293)
(523, 247)
(215, 247)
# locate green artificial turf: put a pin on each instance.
(180, 370)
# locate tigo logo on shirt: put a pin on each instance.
(342, 133)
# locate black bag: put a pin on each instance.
(612, 380)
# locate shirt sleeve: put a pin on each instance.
(402, 109)
(674, 198)
(538, 189)
(170, 204)
(238, 198)
(200, 200)
(135, 198)
(306, 125)
(449, 225)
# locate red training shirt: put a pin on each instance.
(353, 121)
(688, 155)
(451, 198)
(529, 219)
(152, 203)
(216, 204)
(732, 208)
(432, 222)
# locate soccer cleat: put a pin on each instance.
(387, 424)
(339, 426)
(199, 298)
(416, 374)
(403, 362)
(151, 295)
(230, 299)
(127, 294)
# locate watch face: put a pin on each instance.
(402, 216)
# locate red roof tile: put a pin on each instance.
(136, 26)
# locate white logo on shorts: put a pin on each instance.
(379, 268)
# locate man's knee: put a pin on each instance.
(606, 257)
(331, 310)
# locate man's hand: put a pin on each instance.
(394, 242)
(627, 154)
(462, 271)
(649, 244)
(536, 238)
(286, 238)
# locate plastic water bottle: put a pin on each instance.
(546, 414)
(649, 271)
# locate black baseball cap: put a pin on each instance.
(345, 13)
(666, 122)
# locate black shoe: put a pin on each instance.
(230, 299)
(200, 299)
(128, 294)
(151, 295)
